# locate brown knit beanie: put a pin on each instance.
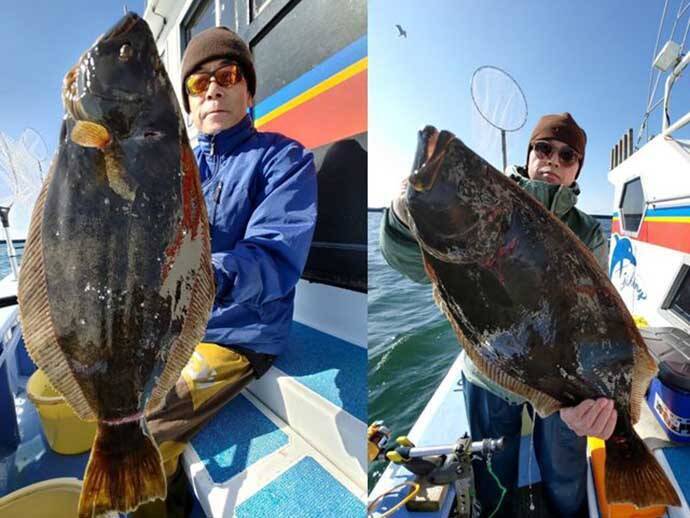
(217, 43)
(560, 126)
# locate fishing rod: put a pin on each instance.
(439, 466)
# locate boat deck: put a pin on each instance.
(444, 420)
(290, 444)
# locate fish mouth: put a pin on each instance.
(126, 24)
(77, 82)
(432, 149)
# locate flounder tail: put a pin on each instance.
(634, 476)
(124, 471)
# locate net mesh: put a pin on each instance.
(21, 177)
(497, 104)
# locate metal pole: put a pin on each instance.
(676, 125)
(625, 146)
(667, 94)
(615, 154)
(503, 147)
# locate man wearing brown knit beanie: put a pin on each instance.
(555, 156)
(260, 192)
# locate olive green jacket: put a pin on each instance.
(401, 251)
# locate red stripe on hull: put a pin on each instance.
(675, 236)
(669, 235)
(335, 114)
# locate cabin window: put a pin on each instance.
(678, 299)
(198, 19)
(632, 206)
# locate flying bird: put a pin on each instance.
(401, 31)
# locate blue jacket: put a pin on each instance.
(260, 192)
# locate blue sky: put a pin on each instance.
(40, 41)
(589, 58)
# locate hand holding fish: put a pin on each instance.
(594, 418)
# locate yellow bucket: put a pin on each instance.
(55, 498)
(65, 432)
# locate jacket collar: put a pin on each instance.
(226, 141)
(557, 198)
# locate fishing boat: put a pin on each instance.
(649, 264)
(291, 443)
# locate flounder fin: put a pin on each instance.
(37, 324)
(125, 470)
(544, 404)
(634, 476)
(199, 309)
(90, 134)
(644, 369)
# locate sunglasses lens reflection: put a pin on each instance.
(225, 76)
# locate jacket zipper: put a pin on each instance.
(219, 186)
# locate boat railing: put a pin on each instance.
(9, 336)
(624, 148)
(667, 127)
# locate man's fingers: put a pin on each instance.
(610, 425)
(602, 420)
(570, 417)
(579, 411)
(590, 418)
(596, 418)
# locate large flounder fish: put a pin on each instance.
(529, 303)
(116, 283)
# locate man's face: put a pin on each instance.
(550, 167)
(219, 107)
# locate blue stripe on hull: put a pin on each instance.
(330, 66)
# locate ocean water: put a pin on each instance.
(4, 260)
(411, 345)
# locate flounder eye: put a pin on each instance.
(126, 52)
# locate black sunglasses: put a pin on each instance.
(566, 155)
